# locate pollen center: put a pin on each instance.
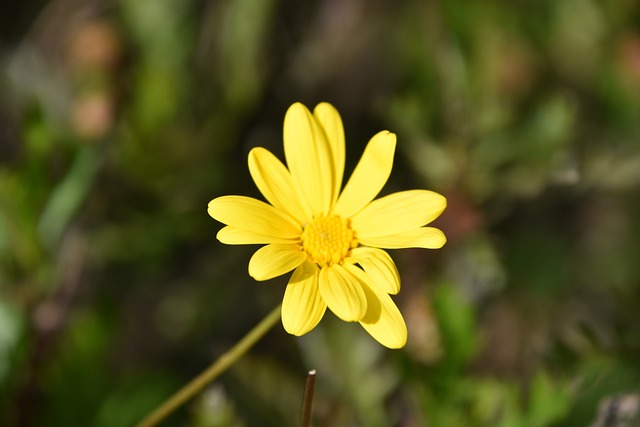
(328, 240)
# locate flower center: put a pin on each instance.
(328, 240)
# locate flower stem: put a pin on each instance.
(212, 372)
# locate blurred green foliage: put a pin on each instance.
(120, 120)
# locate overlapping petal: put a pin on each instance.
(309, 157)
(343, 293)
(379, 266)
(254, 215)
(237, 236)
(397, 213)
(275, 260)
(374, 309)
(425, 237)
(302, 305)
(330, 121)
(274, 181)
(369, 176)
(390, 329)
(386, 324)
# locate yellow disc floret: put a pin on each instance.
(328, 240)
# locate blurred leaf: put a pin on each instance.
(68, 196)
(11, 327)
(244, 61)
(456, 319)
(162, 32)
(548, 402)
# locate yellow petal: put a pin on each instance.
(329, 119)
(390, 329)
(237, 236)
(425, 237)
(302, 305)
(274, 181)
(369, 176)
(308, 157)
(380, 268)
(385, 324)
(275, 260)
(253, 215)
(343, 293)
(397, 213)
(374, 308)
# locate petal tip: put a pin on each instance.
(443, 202)
(211, 208)
(220, 235)
(390, 137)
(297, 108)
(323, 104)
(396, 345)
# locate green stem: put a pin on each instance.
(212, 372)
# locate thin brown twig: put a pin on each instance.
(307, 400)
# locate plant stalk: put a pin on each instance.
(212, 372)
(307, 400)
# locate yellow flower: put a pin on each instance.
(332, 240)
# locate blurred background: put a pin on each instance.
(120, 120)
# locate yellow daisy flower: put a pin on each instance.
(331, 240)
